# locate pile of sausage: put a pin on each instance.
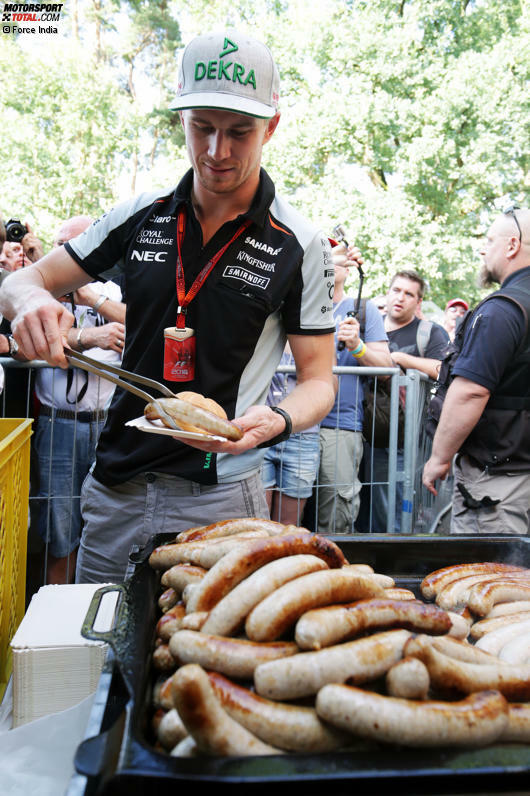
(270, 642)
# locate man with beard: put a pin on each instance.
(485, 420)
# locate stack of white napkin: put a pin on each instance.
(54, 666)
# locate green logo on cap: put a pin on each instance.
(232, 71)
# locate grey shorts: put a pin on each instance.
(118, 518)
(509, 516)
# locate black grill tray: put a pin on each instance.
(117, 758)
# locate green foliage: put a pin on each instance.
(405, 120)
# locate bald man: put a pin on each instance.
(485, 420)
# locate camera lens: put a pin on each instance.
(15, 230)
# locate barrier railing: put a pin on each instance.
(392, 498)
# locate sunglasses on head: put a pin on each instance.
(510, 211)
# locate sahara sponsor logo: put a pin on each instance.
(263, 247)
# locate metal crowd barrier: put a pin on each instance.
(410, 508)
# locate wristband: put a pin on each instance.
(78, 339)
(360, 352)
(101, 300)
(13, 345)
(358, 349)
(285, 434)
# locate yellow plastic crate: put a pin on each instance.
(15, 437)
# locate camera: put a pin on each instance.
(15, 230)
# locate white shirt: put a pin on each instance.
(51, 383)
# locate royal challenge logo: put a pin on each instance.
(32, 18)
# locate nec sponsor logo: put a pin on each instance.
(234, 272)
(149, 257)
(262, 247)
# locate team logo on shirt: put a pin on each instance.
(235, 272)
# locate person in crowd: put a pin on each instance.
(341, 439)
(484, 427)
(414, 343)
(380, 303)
(289, 468)
(231, 270)
(18, 383)
(455, 309)
(71, 410)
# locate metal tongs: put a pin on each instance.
(117, 375)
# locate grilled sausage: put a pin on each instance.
(167, 600)
(517, 650)
(162, 697)
(435, 581)
(253, 554)
(395, 593)
(233, 657)
(515, 606)
(228, 616)
(304, 674)
(483, 596)
(477, 720)
(186, 414)
(335, 623)
(408, 679)
(171, 730)
(213, 730)
(163, 659)
(518, 728)
(495, 639)
(180, 575)
(275, 614)
(289, 727)
(483, 626)
(456, 593)
(203, 552)
(194, 621)
(171, 621)
(460, 625)
(229, 527)
(449, 674)
(186, 748)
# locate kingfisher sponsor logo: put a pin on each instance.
(234, 272)
(262, 247)
(149, 257)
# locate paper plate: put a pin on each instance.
(157, 427)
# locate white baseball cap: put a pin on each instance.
(228, 71)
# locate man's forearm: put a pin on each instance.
(309, 402)
(430, 367)
(18, 288)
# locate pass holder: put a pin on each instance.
(179, 353)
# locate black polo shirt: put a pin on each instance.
(273, 280)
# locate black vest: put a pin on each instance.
(500, 442)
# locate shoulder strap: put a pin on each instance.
(362, 317)
(423, 334)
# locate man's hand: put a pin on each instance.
(32, 246)
(349, 257)
(259, 424)
(433, 471)
(110, 336)
(348, 332)
(41, 328)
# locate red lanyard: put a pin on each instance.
(184, 298)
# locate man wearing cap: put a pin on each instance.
(485, 419)
(219, 272)
(454, 310)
